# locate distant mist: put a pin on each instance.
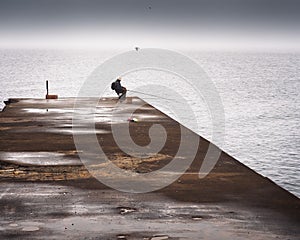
(164, 23)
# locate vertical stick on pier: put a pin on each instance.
(47, 87)
(47, 95)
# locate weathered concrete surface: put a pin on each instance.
(46, 193)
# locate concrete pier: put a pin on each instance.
(47, 193)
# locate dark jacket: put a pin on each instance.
(118, 86)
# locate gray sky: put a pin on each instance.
(150, 23)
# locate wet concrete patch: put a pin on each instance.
(11, 207)
(73, 205)
(94, 210)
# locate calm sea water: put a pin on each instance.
(259, 91)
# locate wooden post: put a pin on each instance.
(47, 95)
(47, 87)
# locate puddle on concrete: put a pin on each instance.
(108, 119)
(39, 158)
(148, 116)
(49, 110)
(13, 225)
(31, 226)
(77, 131)
(103, 114)
(37, 101)
(30, 229)
(159, 237)
(197, 218)
(122, 237)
